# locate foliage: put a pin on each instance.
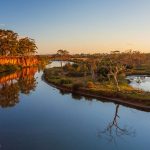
(26, 46)
(75, 74)
(78, 85)
(90, 84)
(11, 44)
(65, 81)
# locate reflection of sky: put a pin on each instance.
(140, 82)
(57, 64)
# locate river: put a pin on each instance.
(37, 116)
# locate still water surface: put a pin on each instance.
(36, 116)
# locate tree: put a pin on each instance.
(63, 54)
(114, 67)
(8, 42)
(92, 63)
(85, 70)
(26, 46)
(11, 45)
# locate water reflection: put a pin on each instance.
(12, 84)
(114, 130)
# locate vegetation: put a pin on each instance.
(12, 45)
(103, 75)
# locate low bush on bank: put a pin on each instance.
(75, 74)
(90, 84)
(65, 81)
(77, 86)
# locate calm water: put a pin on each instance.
(36, 116)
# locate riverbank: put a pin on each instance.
(127, 96)
(15, 63)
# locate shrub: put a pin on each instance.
(75, 74)
(102, 78)
(90, 84)
(76, 86)
(56, 73)
(65, 81)
(54, 77)
(74, 65)
(67, 67)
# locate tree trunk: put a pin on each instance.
(116, 81)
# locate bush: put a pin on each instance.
(54, 77)
(67, 67)
(65, 81)
(76, 86)
(75, 74)
(90, 84)
(74, 65)
(102, 78)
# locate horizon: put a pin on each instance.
(80, 26)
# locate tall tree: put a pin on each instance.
(8, 42)
(11, 45)
(26, 46)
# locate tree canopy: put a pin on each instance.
(12, 45)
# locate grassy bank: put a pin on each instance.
(85, 86)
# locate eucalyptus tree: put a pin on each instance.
(11, 45)
(92, 64)
(114, 67)
(8, 42)
(26, 46)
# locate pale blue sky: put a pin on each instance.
(80, 25)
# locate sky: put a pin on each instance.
(80, 26)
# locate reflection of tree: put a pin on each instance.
(27, 82)
(64, 92)
(27, 85)
(114, 131)
(12, 84)
(9, 94)
(76, 96)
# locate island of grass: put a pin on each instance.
(76, 78)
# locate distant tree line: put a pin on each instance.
(12, 45)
